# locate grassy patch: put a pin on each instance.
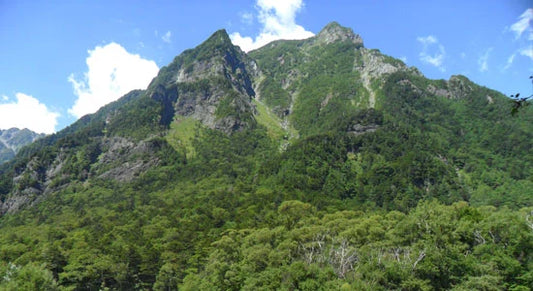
(273, 124)
(181, 134)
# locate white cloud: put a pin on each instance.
(166, 37)
(247, 18)
(483, 60)
(510, 61)
(433, 52)
(27, 112)
(528, 52)
(524, 24)
(278, 20)
(430, 39)
(112, 72)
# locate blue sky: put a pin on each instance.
(60, 60)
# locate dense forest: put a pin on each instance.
(304, 165)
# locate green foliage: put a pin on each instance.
(181, 133)
(433, 247)
(273, 123)
(27, 277)
(234, 107)
(137, 119)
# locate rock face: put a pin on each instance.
(118, 162)
(120, 159)
(457, 87)
(211, 83)
(358, 129)
(11, 140)
(460, 87)
(333, 32)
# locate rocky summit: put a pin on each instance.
(13, 139)
(211, 83)
(315, 164)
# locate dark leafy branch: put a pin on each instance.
(520, 102)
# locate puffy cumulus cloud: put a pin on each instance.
(483, 60)
(523, 24)
(112, 72)
(27, 112)
(433, 52)
(278, 20)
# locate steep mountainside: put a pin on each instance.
(212, 84)
(305, 164)
(11, 140)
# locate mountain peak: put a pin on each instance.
(219, 37)
(335, 32)
(185, 67)
(13, 139)
(211, 83)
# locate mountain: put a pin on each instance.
(304, 165)
(11, 140)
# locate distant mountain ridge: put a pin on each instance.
(11, 140)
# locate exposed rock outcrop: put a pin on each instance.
(460, 87)
(358, 129)
(121, 159)
(334, 32)
(13, 139)
(211, 83)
